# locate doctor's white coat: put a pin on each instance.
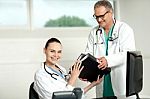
(45, 85)
(123, 41)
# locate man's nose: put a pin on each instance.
(99, 19)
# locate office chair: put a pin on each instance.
(32, 93)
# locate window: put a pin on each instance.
(38, 13)
(53, 10)
(13, 13)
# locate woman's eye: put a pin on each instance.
(52, 51)
(59, 51)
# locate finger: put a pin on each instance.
(81, 68)
(99, 67)
(103, 68)
(99, 79)
(102, 65)
(77, 65)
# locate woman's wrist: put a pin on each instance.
(72, 81)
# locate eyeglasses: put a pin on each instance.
(100, 16)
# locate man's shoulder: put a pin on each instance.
(121, 23)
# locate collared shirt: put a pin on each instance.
(107, 85)
(45, 85)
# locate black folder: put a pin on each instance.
(91, 70)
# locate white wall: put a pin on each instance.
(18, 62)
(136, 14)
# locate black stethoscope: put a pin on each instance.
(54, 74)
(109, 38)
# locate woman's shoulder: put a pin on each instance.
(40, 71)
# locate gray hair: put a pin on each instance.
(104, 3)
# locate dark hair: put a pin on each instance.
(104, 3)
(51, 40)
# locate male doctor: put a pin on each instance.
(109, 42)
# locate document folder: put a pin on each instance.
(91, 71)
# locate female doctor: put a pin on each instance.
(109, 42)
(51, 77)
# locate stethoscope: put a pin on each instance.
(111, 38)
(54, 74)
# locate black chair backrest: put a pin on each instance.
(32, 93)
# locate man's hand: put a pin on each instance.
(102, 63)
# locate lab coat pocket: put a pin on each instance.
(113, 46)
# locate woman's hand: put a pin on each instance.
(98, 81)
(76, 69)
(75, 72)
(91, 85)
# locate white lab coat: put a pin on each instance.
(45, 85)
(124, 41)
